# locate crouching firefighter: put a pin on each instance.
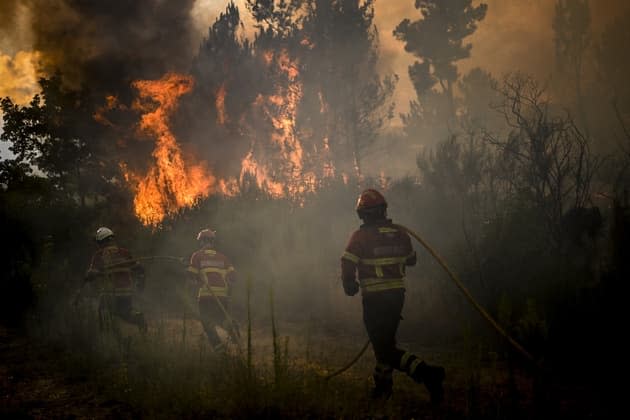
(378, 253)
(118, 276)
(213, 274)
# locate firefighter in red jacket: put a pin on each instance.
(117, 276)
(213, 273)
(378, 253)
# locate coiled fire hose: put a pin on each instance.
(466, 293)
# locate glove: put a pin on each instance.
(351, 287)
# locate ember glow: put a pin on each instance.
(171, 182)
(285, 174)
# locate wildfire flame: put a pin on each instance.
(276, 161)
(288, 176)
(172, 182)
(249, 166)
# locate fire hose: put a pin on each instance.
(466, 293)
(180, 260)
(149, 258)
(437, 258)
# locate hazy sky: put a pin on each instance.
(515, 35)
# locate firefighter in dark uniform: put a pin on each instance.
(378, 254)
(214, 275)
(118, 276)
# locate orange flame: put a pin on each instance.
(249, 166)
(292, 171)
(171, 183)
(281, 169)
(289, 177)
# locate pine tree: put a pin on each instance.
(437, 40)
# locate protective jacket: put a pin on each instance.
(214, 272)
(378, 252)
(116, 269)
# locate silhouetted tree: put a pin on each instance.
(551, 160)
(342, 78)
(50, 137)
(228, 77)
(276, 18)
(438, 41)
(333, 45)
(479, 95)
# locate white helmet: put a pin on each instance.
(103, 233)
(206, 235)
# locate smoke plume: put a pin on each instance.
(104, 45)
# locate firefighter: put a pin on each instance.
(378, 254)
(214, 274)
(118, 277)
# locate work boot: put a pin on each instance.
(383, 382)
(432, 377)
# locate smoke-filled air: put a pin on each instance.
(339, 209)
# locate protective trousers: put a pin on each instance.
(381, 315)
(212, 316)
(122, 307)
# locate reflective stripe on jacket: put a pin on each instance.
(214, 271)
(115, 264)
(378, 253)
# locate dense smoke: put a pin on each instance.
(104, 45)
(500, 132)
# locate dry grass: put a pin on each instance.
(171, 372)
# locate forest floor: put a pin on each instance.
(170, 373)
